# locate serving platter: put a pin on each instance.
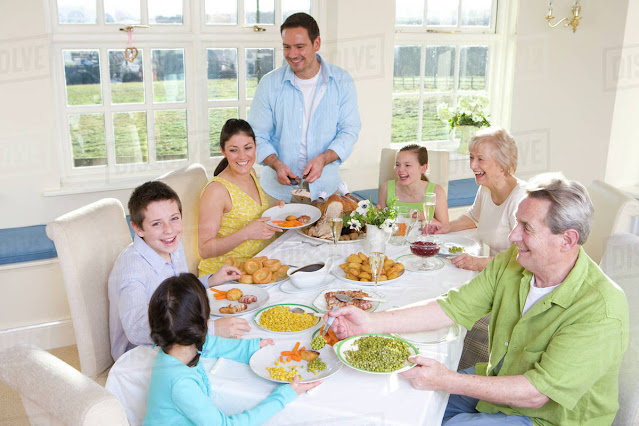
(280, 213)
(361, 238)
(350, 344)
(255, 290)
(305, 308)
(340, 274)
(320, 300)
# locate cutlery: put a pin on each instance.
(346, 298)
(302, 311)
(329, 323)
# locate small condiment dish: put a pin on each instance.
(311, 275)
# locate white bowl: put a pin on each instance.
(304, 280)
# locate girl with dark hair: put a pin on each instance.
(411, 183)
(232, 203)
(179, 392)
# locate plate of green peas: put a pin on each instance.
(376, 353)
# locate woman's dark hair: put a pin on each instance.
(303, 20)
(231, 128)
(422, 155)
(178, 314)
(146, 194)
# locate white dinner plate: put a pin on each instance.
(361, 238)
(280, 213)
(320, 300)
(307, 309)
(339, 273)
(267, 356)
(349, 344)
(448, 241)
(262, 298)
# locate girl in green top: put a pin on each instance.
(411, 183)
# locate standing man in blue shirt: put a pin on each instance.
(304, 115)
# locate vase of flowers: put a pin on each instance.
(378, 223)
(468, 117)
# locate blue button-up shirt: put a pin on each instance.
(137, 273)
(277, 115)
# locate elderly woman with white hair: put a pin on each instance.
(493, 160)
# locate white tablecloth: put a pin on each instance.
(348, 397)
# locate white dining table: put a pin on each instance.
(348, 397)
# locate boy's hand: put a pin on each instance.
(266, 342)
(303, 387)
(231, 327)
(224, 274)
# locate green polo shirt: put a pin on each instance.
(569, 344)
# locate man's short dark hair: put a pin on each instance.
(147, 193)
(303, 20)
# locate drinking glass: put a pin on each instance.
(376, 260)
(336, 231)
(429, 210)
(404, 223)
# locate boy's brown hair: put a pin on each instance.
(146, 194)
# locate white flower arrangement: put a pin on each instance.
(366, 213)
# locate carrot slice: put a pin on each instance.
(217, 291)
(297, 345)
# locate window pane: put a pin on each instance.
(405, 119)
(87, 139)
(476, 13)
(82, 75)
(409, 12)
(129, 131)
(406, 70)
(440, 68)
(168, 75)
(472, 71)
(217, 118)
(259, 12)
(171, 135)
(165, 11)
(222, 73)
(433, 128)
(77, 12)
(219, 12)
(121, 12)
(290, 7)
(259, 62)
(127, 80)
(442, 12)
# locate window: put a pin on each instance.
(446, 52)
(162, 99)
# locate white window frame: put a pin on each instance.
(194, 37)
(500, 39)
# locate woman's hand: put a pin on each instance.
(224, 274)
(472, 263)
(349, 321)
(428, 374)
(260, 230)
(230, 327)
(303, 387)
(266, 342)
(437, 227)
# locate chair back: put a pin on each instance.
(54, 393)
(614, 210)
(88, 241)
(621, 263)
(437, 167)
(188, 182)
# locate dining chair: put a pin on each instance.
(621, 263)
(437, 167)
(614, 210)
(54, 393)
(88, 241)
(188, 182)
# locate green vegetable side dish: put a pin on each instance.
(455, 250)
(378, 354)
(316, 365)
(318, 342)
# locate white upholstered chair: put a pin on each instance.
(437, 167)
(188, 182)
(88, 241)
(614, 209)
(54, 393)
(621, 263)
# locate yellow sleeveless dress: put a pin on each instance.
(245, 209)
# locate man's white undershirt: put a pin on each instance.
(310, 104)
(535, 294)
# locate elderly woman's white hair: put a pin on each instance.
(570, 204)
(505, 149)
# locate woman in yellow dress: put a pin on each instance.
(232, 203)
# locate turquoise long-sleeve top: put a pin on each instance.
(181, 395)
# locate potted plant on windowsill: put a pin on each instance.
(468, 117)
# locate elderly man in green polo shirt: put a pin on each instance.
(558, 330)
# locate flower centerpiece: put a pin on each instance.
(378, 222)
(469, 116)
